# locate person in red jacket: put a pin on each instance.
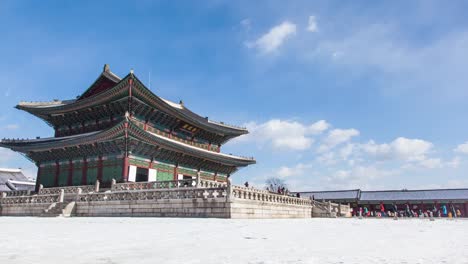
(382, 209)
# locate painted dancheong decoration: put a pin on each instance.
(119, 129)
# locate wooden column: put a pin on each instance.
(125, 169)
(84, 172)
(38, 178)
(57, 173)
(70, 173)
(176, 175)
(99, 172)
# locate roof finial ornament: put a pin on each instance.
(106, 68)
(131, 71)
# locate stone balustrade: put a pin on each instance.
(154, 194)
(239, 192)
(135, 186)
(31, 199)
(211, 184)
(70, 189)
(15, 193)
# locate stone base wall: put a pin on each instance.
(197, 207)
(23, 209)
(260, 209)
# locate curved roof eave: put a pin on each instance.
(43, 144)
(181, 147)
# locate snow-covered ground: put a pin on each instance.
(169, 240)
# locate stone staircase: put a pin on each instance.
(54, 210)
(65, 208)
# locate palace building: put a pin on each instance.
(119, 129)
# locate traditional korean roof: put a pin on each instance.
(110, 88)
(415, 195)
(125, 128)
(333, 195)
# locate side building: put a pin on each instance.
(14, 180)
(417, 199)
(119, 129)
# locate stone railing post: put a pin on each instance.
(61, 196)
(77, 197)
(96, 189)
(228, 189)
(198, 179)
(40, 188)
(113, 183)
(329, 209)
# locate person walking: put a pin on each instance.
(382, 209)
(458, 212)
(395, 209)
(454, 212)
(407, 210)
(246, 184)
(444, 210)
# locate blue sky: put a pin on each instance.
(336, 94)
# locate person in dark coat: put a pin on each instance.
(395, 209)
(246, 184)
(407, 210)
(454, 211)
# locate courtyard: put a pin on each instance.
(170, 240)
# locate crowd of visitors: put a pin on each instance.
(277, 190)
(406, 210)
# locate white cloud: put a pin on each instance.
(462, 148)
(401, 148)
(283, 134)
(272, 40)
(312, 26)
(346, 151)
(337, 137)
(358, 177)
(327, 158)
(318, 127)
(431, 163)
(297, 170)
(454, 163)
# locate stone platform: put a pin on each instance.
(165, 199)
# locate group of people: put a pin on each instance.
(444, 210)
(279, 190)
